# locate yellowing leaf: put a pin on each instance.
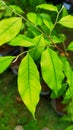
(67, 21)
(28, 83)
(9, 28)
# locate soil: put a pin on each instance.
(45, 89)
(5, 49)
(8, 50)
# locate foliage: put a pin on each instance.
(38, 33)
(70, 127)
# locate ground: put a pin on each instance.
(13, 112)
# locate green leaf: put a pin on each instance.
(28, 83)
(64, 12)
(33, 31)
(5, 62)
(55, 39)
(8, 12)
(62, 37)
(52, 70)
(47, 20)
(2, 6)
(9, 28)
(16, 9)
(34, 18)
(39, 42)
(70, 46)
(70, 110)
(21, 40)
(45, 16)
(68, 72)
(61, 91)
(67, 21)
(48, 24)
(49, 7)
(69, 75)
(70, 127)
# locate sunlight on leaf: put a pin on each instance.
(49, 7)
(67, 21)
(9, 28)
(52, 70)
(29, 84)
(70, 46)
(39, 42)
(34, 18)
(21, 40)
(5, 62)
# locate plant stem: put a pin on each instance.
(24, 52)
(56, 19)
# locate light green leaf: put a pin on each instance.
(40, 46)
(70, 46)
(49, 7)
(34, 18)
(67, 21)
(5, 62)
(28, 83)
(52, 70)
(47, 20)
(9, 28)
(22, 40)
(48, 24)
(16, 9)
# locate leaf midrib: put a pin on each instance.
(53, 67)
(9, 27)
